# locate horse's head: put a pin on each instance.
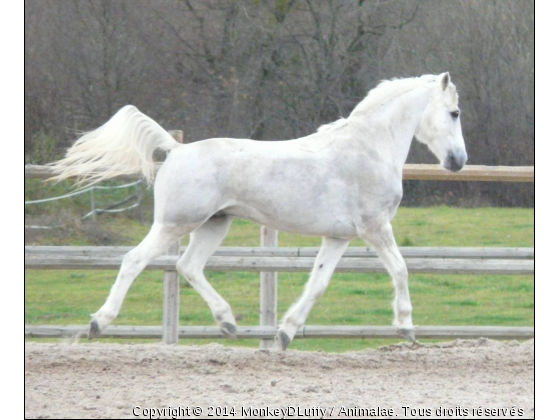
(440, 127)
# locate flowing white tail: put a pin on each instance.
(124, 145)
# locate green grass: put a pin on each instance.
(68, 297)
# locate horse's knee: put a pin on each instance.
(131, 258)
(401, 273)
(132, 263)
(189, 271)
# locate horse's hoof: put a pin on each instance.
(407, 333)
(229, 330)
(94, 330)
(283, 340)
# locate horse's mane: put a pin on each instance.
(383, 93)
(387, 90)
(342, 122)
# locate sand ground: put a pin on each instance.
(98, 380)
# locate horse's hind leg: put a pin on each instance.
(156, 243)
(323, 268)
(204, 242)
(383, 241)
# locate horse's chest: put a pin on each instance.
(378, 205)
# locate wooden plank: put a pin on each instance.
(269, 289)
(470, 173)
(363, 252)
(293, 264)
(309, 331)
(38, 172)
(45, 172)
(411, 172)
(465, 332)
(171, 289)
(171, 294)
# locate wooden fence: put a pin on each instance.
(411, 172)
(270, 259)
(511, 261)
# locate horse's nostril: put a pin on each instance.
(453, 163)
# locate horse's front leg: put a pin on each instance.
(383, 240)
(329, 255)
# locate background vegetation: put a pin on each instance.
(277, 69)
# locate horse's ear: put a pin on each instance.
(445, 79)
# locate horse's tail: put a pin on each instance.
(124, 145)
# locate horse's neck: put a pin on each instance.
(392, 128)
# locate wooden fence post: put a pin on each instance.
(171, 290)
(92, 204)
(139, 198)
(269, 289)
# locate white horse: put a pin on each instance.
(342, 182)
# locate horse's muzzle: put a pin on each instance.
(455, 161)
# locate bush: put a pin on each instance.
(43, 149)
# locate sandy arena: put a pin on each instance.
(109, 380)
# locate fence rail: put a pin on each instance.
(411, 172)
(290, 264)
(113, 208)
(268, 333)
(470, 173)
(363, 252)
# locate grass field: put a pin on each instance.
(68, 297)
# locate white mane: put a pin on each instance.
(342, 122)
(383, 93)
(387, 90)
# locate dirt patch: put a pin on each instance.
(109, 380)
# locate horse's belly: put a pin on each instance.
(302, 221)
(284, 188)
(293, 194)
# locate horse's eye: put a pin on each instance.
(455, 114)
